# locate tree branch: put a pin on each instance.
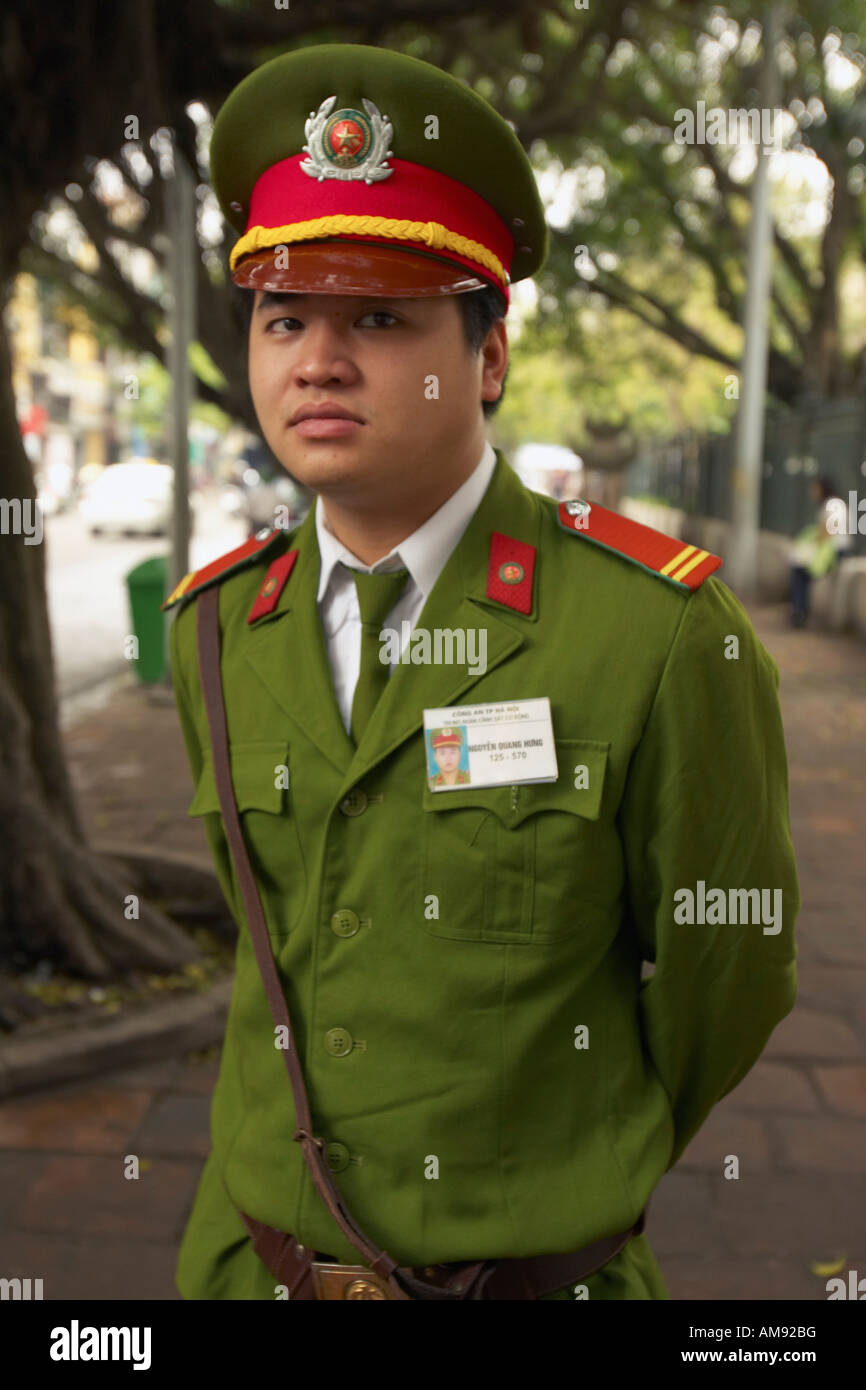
(619, 292)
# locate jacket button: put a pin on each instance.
(345, 922)
(339, 1041)
(354, 803)
(337, 1156)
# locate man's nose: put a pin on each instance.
(325, 354)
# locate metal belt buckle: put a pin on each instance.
(347, 1281)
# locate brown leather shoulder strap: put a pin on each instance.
(312, 1148)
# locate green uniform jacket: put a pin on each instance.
(441, 954)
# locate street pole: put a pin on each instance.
(182, 251)
(742, 559)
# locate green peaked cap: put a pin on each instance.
(262, 122)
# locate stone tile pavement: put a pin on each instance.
(797, 1122)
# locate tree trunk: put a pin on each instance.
(604, 488)
(606, 451)
(58, 900)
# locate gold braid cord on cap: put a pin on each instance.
(392, 228)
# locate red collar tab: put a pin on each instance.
(510, 571)
(686, 566)
(274, 582)
(221, 567)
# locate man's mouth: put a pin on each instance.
(324, 421)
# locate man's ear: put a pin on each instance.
(494, 352)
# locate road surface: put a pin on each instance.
(88, 604)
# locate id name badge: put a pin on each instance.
(489, 745)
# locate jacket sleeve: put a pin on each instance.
(183, 651)
(705, 806)
(181, 694)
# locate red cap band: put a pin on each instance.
(284, 197)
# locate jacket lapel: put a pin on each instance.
(457, 601)
(292, 663)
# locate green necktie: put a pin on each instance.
(377, 594)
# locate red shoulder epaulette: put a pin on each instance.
(225, 564)
(686, 566)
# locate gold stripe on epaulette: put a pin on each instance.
(678, 559)
(181, 587)
(690, 565)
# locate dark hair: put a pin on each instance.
(479, 309)
(827, 486)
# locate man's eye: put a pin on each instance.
(376, 314)
(380, 314)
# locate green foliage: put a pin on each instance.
(663, 222)
(150, 411)
(204, 366)
(597, 363)
(596, 95)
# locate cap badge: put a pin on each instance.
(347, 144)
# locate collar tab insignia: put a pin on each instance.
(274, 582)
(510, 570)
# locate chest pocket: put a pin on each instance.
(518, 864)
(260, 772)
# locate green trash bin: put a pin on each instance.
(146, 585)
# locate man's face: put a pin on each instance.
(400, 367)
(447, 757)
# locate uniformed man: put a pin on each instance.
(495, 1079)
(446, 745)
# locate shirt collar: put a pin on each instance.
(424, 553)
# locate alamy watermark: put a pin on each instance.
(21, 517)
(737, 907)
(444, 646)
(21, 1289)
(77, 1343)
(854, 1289)
(738, 125)
(847, 520)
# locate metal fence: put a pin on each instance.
(827, 438)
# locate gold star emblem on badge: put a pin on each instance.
(349, 140)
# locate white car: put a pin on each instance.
(135, 497)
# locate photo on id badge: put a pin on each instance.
(447, 757)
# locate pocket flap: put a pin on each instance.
(255, 772)
(582, 766)
(581, 763)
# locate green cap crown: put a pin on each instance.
(262, 122)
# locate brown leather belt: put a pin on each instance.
(306, 1274)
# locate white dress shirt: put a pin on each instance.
(424, 554)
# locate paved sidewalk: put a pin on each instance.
(798, 1120)
(797, 1123)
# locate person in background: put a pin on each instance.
(816, 550)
